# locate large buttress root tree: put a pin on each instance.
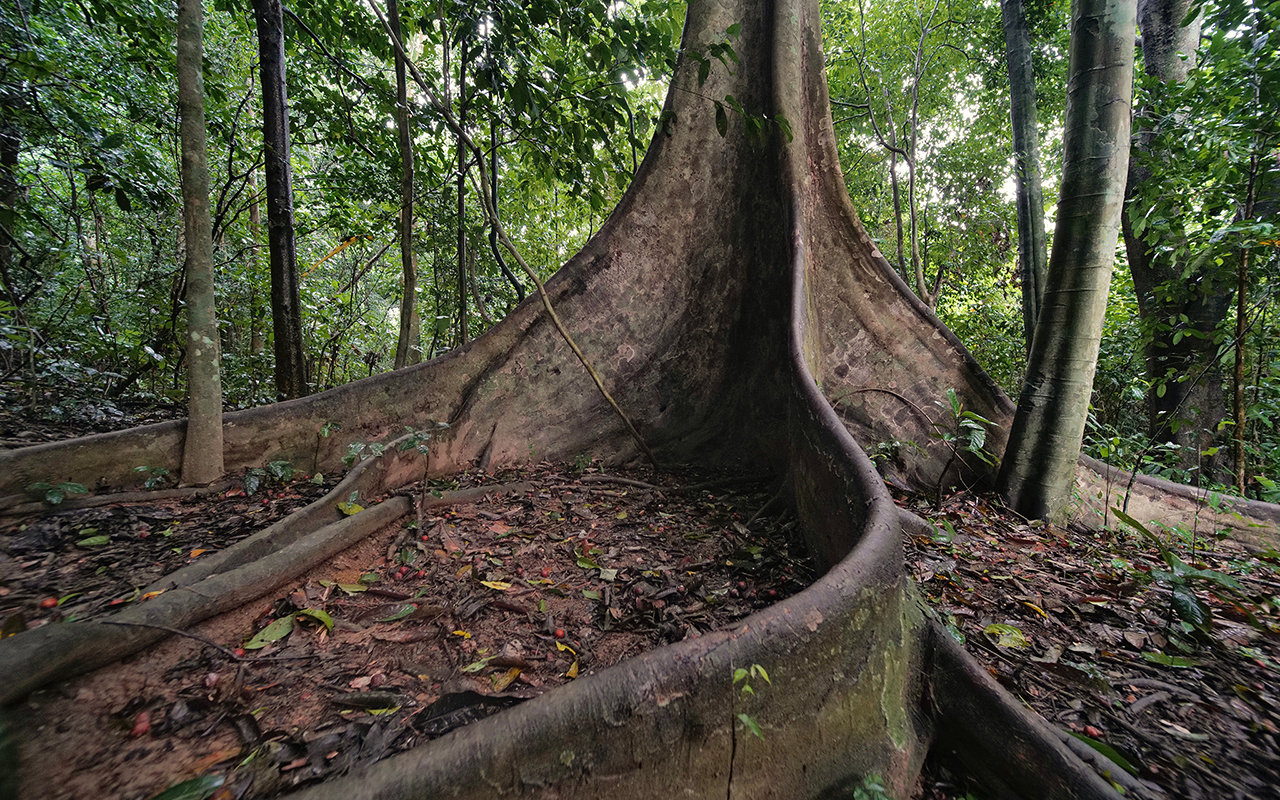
(740, 315)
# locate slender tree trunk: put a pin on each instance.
(464, 334)
(493, 229)
(1039, 464)
(202, 450)
(1242, 331)
(10, 141)
(1186, 403)
(286, 305)
(1032, 243)
(408, 350)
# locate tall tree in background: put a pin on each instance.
(1032, 244)
(464, 326)
(1039, 465)
(286, 306)
(202, 450)
(1182, 301)
(408, 349)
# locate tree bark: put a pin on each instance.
(1185, 403)
(1039, 466)
(464, 325)
(286, 305)
(1033, 251)
(408, 350)
(202, 450)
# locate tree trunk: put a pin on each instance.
(1185, 402)
(1029, 197)
(202, 450)
(10, 140)
(1039, 467)
(731, 282)
(286, 305)
(464, 325)
(408, 350)
(493, 230)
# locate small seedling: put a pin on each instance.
(745, 676)
(55, 493)
(155, 476)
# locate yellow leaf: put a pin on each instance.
(150, 595)
(501, 586)
(463, 634)
(198, 552)
(502, 682)
(573, 671)
(350, 509)
(1035, 608)
(561, 646)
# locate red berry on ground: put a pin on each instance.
(49, 602)
(559, 633)
(238, 652)
(141, 724)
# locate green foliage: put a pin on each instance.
(55, 493)
(1181, 578)
(572, 90)
(872, 788)
(155, 477)
(961, 430)
(745, 676)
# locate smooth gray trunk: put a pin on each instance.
(202, 450)
(1033, 250)
(1040, 462)
(408, 350)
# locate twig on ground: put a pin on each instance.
(197, 637)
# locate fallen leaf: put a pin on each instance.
(274, 632)
(501, 586)
(500, 683)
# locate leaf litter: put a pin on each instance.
(1158, 648)
(445, 618)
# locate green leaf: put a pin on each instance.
(1190, 608)
(94, 541)
(350, 509)
(1108, 751)
(722, 120)
(1168, 661)
(194, 789)
(272, 633)
(408, 609)
(704, 71)
(1008, 635)
(587, 563)
(591, 594)
(320, 616)
(750, 722)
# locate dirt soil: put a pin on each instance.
(425, 626)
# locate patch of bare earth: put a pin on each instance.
(431, 623)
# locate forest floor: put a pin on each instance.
(1161, 651)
